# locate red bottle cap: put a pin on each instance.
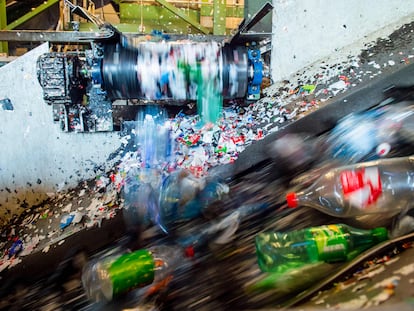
(292, 199)
(189, 251)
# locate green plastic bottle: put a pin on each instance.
(282, 251)
(106, 278)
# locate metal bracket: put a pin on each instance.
(245, 26)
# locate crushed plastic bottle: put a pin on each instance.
(283, 251)
(109, 277)
(184, 196)
(179, 197)
(380, 186)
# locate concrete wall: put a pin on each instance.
(308, 31)
(36, 157)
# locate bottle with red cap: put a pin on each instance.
(380, 186)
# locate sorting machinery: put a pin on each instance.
(83, 85)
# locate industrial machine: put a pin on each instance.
(83, 86)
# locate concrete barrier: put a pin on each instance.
(36, 156)
(309, 31)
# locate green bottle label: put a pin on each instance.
(331, 242)
(131, 271)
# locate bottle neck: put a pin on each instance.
(370, 238)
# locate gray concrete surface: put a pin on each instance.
(37, 157)
(305, 32)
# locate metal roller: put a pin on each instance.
(174, 70)
(82, 86)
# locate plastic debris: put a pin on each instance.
(406, 270)
(77, 217)
(6, 104)
(66, 221)
(16, 248)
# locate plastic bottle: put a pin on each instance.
(280, 252)
(380, 186)
(106, 278)
(372, 134)
(184, 196)
(153, 137)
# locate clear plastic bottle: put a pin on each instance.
(283, 251)
(153, 137)
(106, 278)
(380, 186)
(184, 196)
(370, 135)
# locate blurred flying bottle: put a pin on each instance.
(380, 186)
(371, 134)
(143, 179)
(106, 278)
(179, 197)
(184, 196)
(282, 251)
(153, 137)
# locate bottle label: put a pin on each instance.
(331, 242)
(131, 270)
(361, 187)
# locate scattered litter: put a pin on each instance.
(46, 249)
(393, 281)
(337, 87)
(353, 304)
(6, 104)
(30, 245)
(200, 149)
(406, 270)
(66, 221)
(369, 274)
(16, 248)
(67, 208)
(383, 296)
(77, 217)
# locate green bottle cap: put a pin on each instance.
(131, 270)
(380, 234)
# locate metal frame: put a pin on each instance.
(7, 33)
(44, 6)
(3, 23)
(219, 17)
(3, 18)
(183, 16)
